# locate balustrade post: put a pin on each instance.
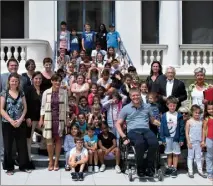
(16, 54)
(9, 53)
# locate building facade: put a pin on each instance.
(177, 33)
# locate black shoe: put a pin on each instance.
(31, 165)
(174, 173)
(81, 176)
(140, 173)
(190, 174)
(149, 172)
(74, 176)
(168, 171)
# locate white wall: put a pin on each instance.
(42, 21)
(128, 24)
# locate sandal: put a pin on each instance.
(9, 173)
(50, 167)
(56, 168)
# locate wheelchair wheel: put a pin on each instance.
(160, 175)
(130, 175)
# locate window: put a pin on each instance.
(150, 22)
(197, 22)
(93, 12)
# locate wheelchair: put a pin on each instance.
(129, 165)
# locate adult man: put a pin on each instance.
(170, 86)
(137, 116)
(12, 66)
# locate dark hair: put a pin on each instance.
(127, 76)
(73, 30)
(82, 115)
(117, 95)
(72, 97)
(104, 30)
(104, 90)
(82, 97)
(160, 68)
(153, 94)
(56, 77)
(108, 64)
(171, 99)
(131, 69)
(93, 84)
(28, 62)
(105, 72)
(12, 60)
(60, 70)
(63, 23)
(47, 60)
(206, 114)
(195, 107)
(79, 131)
(82, 65)
(78, 139)
(143, 82)
(108, 54)
(89, 127)
(36, 73)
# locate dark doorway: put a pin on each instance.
(12, 19)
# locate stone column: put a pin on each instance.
(169, 31)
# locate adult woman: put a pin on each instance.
(47, 74)
(53, 117)
(154, 77)
(30, 67)
(195, 92)
(13, 111)
(101, 36)
(33, 98)
(111, 54)
(80, 88)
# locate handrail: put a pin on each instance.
(124, 53)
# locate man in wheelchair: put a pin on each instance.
(137, 116)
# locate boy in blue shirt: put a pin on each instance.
(88, 39)
(91, 144)
(74, 41)
(172, 135)
(113, 38)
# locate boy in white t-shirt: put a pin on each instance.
(78, 159)
(172, 135)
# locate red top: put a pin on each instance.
(210, 128)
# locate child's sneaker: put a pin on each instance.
(74, 176)
(81, 176)
(174, 173)
(168, 171)
(117, 169)
(190, 174)
(102, 168)
(96, 168)
(90, 168)
(67, 168)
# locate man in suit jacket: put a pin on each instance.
(12, 66)
(170, 86)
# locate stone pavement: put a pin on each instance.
(109, 177)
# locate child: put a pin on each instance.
(93, 73)
(126, 87)
(115, 66)
(78, 159)
(100, 61)
(95, 111)
(88, 39)
(135, 82)
(82, 123)
(207, 139)
(132, 70)
(72, 105)
(113, 38)
(97, 121)
(193, 132)
(69, 143)
(96, 51)
(152, 99)
(107, 145)
(83, 106)
(172, 135)
(111, 55)
(90, 142)
(117, 80)
(144, 91)
(62, 60)
(105, 79)
(71, 119)
(64, 37)
(102, 95)
(74, 41)
(113, 107)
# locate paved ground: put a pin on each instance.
(109, 177)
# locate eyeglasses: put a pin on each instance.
(184, 113)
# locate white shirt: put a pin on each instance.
(95, 52)
(197, 97)
(144, 98)
(169, 87)
(101, 83)
(171, 122)
(79, 156)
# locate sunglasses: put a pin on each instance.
(184, 113)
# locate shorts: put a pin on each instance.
(172, 147)
(53, 140)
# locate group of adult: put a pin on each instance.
(24, 107)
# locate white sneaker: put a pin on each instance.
(96, 168)
(102, 168)
(90, 168)
(117, 168)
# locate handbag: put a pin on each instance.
(208, 94)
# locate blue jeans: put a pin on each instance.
(142, 140)
(209, 156)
